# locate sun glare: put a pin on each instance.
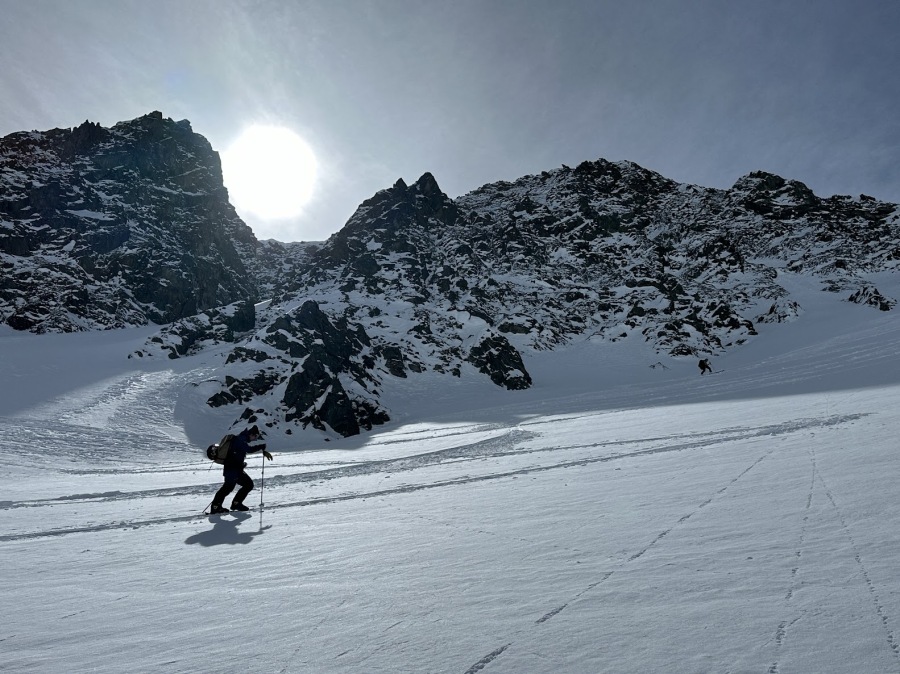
(270, 172)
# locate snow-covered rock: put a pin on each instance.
(105, 228)
(108, 227)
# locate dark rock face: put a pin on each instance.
(495, 357)
(327, 349)
(870, 295)
(305, 355)
(106, 228)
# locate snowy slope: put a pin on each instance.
(613, 518)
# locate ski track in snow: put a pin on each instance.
(508, 444)
(461, 457)
(876, 602)
(782, 632)
(78, 427)
(783, 627)
(487, 659)
(523, 634)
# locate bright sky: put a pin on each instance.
(702, 91)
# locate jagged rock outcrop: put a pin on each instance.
(870, 295)
(315, 371)
(495, 357)
(104, 228)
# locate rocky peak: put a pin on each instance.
(82, 140)
(769, 194)
(396, 221)
(116, 227)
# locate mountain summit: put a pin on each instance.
(112, 227)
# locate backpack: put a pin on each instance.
(219, 452)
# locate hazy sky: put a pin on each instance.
(474, 91)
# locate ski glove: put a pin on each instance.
(267, 455)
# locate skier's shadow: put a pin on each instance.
(225, 531)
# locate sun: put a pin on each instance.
(270, 172)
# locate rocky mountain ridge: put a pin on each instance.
(604, 251)
(417, 281)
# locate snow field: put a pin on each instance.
(613, 519)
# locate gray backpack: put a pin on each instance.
(219, 452)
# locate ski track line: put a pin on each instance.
(490, 657)
(685, 518)
(398, 465)
(478, 450)
(473, 450)
(782, 629)
(490, 448)
(559, 609)
(879, 607)
(202, 465)
(487, 659)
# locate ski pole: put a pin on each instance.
(262, 484)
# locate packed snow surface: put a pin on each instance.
(624, 515)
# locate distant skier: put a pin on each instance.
(234, 473)
(705, 366)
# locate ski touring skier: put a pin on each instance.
(234, 472)
(705, 366)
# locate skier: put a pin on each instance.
(234, 473)
(705, 366)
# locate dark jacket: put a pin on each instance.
(237, 453)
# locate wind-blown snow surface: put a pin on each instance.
(615, 518)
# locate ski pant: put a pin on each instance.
(233, 478)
